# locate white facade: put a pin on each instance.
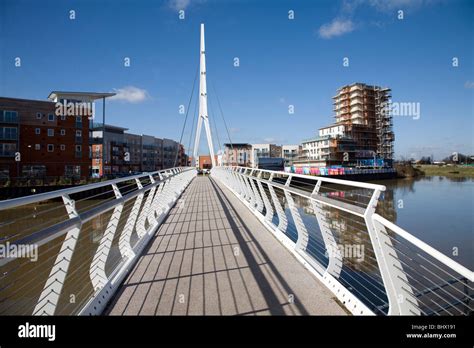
(289, 153)
(333, 131)
(314, 149)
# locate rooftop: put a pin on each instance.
(79, 95)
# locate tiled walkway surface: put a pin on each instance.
(211, 256)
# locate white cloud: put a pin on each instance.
(130, 94)
(179, 4)
(469, 84)
(269, 140)
(337, 27)
(390, 5)
(348, 10)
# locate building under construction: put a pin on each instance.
(362, 134)
(364, 110)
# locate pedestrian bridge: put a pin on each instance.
(240, 241)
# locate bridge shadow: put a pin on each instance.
(205, 260)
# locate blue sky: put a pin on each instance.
(282, 62)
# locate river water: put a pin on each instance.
(437, 210)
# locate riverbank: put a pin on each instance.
(454, 171)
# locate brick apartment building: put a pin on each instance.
(146, 153)
(36, 142)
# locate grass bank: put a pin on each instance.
(449, 171)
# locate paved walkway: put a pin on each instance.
(211, 256)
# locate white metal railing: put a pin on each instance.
(67, 251)
(331, 226)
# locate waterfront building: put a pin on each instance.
(127, 152)
(362, 132)
(364, 111)
(238, 154)
(264, 150)
(37, 139)
(290, 153)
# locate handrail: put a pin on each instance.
(126, 222)
(317, 178)
(399, 273)
(14, 202)
(425, 247)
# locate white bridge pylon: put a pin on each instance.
(203, 115)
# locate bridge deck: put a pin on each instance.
(211, 256)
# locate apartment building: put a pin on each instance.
(362, 131)
(127, 152)
(363, 110)
(238, 154)
(264, 150)
(39, 140)
(290, 153)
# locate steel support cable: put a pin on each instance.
(62, 205)
(417, 253)
(60, 241)
(419, 280)
(222, 115)
(65, 217)
(79, 253)
(318, 241)
(291, 228)
(214, 123)
(186, 117)
(373, 284)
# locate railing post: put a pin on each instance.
(302, 241)
(97, 268)
(258, 198)
(49, 297)
(141, 230)
(391, 270)
(266, 201)
(124, 242)
(282, 220)
(335, 259)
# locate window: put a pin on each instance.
(7, 150)
(34, 170)
(63, 147)
(50, 132)
(37, 131)
(37, 146)
(38, 115)
(8, 133)
(50, 147)
(72, 170)
(63, 132)
(51, 117)
(78, 133)
(63, 117)
(78, 122)
(78, 151)
(8, 116)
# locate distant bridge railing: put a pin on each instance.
(370, 264)
(67, 251)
